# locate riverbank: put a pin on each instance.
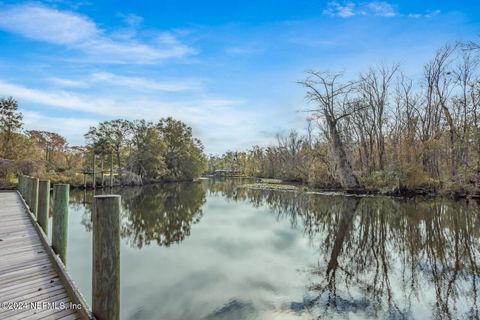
(292, 186)
(403, 192)
(12, 185)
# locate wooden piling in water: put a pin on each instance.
(106, 257)
(60, 220)
(43, 204)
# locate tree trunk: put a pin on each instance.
(94, 182)
(119, 161)
(451, 130)
(381, 151)
(344, 169)
(111, 169)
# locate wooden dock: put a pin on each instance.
(34, 283)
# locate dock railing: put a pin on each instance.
(105, 243)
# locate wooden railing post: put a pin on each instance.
(43, 204)
(27, 190)
(60, 220)
(106, 257)
(34, 206)
(30, 193)
(22, 189)
(19, 187)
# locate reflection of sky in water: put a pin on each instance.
(258, 257)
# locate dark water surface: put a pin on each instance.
(213, 250)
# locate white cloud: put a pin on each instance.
(50, 25)
(58, 99)
(132, 20)
(242, 50)
(212, 117)
(72, 128)
(381, 9)
(108, 79)
(61, 82)
(139, 83)
(350, 9)
(431, 14)
(345, 10)
(428, 14)
(415, 15)
(78, 32)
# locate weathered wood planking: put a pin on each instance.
(29, 271)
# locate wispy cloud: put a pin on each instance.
(79, 32)
(350, 9)
(67, 126)
(132, 20)
(68, 83)
(139, 83)
(428, 14)
(382, 9)
(242, 50)
(207, 115)
(50, 25)
(197, 110)
(345, 10)
(107, 79)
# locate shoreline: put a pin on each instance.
(292, 186)
(403, 192)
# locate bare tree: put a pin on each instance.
(439, 83)
(374, 86)
(333, 104)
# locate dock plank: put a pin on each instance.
(28, 273)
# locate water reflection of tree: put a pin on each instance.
(160, 214)
(163, 214)
(379, 255)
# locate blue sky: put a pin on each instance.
(227, 68)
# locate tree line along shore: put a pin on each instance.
(130, 152)
(380, 132)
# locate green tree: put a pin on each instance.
(110, 137)
(53, 146)
(147, 157)
(10, 122)
(184, 154)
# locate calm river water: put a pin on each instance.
(214, 250)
